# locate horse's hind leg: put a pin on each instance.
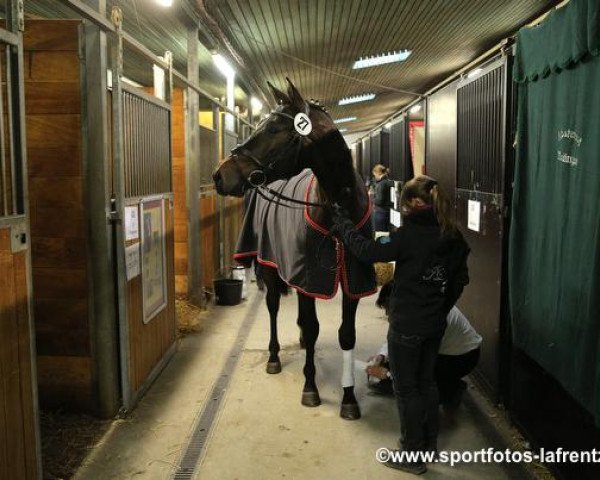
(309, 324)
(347, 338)
(272, 282)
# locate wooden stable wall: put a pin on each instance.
(209, 225)
(17, 416)
(59, 258)
(180, 192)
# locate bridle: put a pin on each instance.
(258, 177)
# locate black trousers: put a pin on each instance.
(449, 370)
(412, 363)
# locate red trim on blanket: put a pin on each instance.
(321, 296)
(244, 254)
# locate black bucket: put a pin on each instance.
(228, 291)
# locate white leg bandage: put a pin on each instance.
(348, 370)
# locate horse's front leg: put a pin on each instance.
(309, 325)
(273, 297)
(347, 338)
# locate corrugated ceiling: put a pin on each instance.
(315, 43)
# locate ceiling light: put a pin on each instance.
(474, 73)
(382, 59)
(356, 99)
(415, 109)
(165, 3)
(223, 65)
(344, 120)
(256, 104)
(342, 130)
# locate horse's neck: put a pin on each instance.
(357, 207)
(331, 162)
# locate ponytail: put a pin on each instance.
(433, 197)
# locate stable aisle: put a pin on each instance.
(258, 428)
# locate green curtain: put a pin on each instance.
(554, 250)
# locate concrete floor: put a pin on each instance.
(261, 431)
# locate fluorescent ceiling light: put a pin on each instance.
(356, 99)
(415, 109)
(474, 73)
(342, 130)
(344, 120)
(223, 65)
(164, 3)
(382, 59)
(256, 104)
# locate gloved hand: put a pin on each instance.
(341, 222)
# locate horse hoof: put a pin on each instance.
(350, 411)
(273, 367)
(311, 399)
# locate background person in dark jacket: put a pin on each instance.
(431, 272)
(381, 198)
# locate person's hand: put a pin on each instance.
(376, 360)
(378, 371)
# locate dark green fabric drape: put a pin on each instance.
(554, 253)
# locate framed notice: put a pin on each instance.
(154, 281)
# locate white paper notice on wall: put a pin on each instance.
(474, 215)
(395, 218)
(132, 260)
(132, 223)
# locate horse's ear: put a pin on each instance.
(295, 98)
(280, 97)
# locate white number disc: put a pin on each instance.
(302, 124)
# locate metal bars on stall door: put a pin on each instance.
(11, 162)
(480, 148)
(146, 155)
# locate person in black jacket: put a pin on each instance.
(430, 274)
(381, 198)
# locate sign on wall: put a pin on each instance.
(153, 257)
(474, 215)
(132, 223)
(132, 261)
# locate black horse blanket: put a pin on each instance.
(284, 235)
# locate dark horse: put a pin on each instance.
(296, 136)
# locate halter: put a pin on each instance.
(258, 177)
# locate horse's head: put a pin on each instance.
(275, 150)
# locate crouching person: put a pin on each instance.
(457, 357)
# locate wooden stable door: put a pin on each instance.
(18, 412)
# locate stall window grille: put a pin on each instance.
(481, 133)
(11, 180)
(399, 152)
(375, 149)
(146, 146)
